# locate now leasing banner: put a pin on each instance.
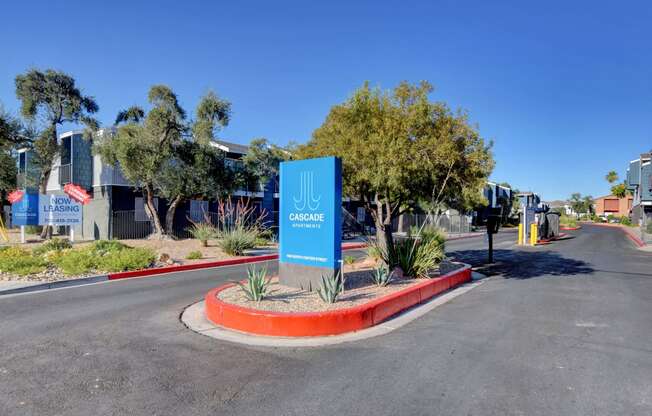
(59, 209)
(55, 209)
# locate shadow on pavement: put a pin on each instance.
(521, 264)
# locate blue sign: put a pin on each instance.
(25, 212)
(310, 214)
(59, 209)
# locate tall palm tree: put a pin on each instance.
(612, 176)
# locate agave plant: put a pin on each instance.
(257, 285)
(331, 287)
(382, 276)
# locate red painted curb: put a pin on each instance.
(570, 228)
(207, 265)
(635, 239)
(340, 321)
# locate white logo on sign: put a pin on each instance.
(307, 193)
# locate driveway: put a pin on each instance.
(563, 329)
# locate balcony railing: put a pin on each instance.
(65, 174)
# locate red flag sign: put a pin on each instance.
(15, 196)
(77, 193)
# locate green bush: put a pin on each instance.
(349, 260)
(194, 255)
(22, 262)
(566, 221)
(125, 260)
(75, 262)
(331, 287)
(257, 286)
(55, 244)
(373, 251)
(624, 220)
(104, 246)
(203, 232)
(416, 257)
(235, 241)
(103, 256)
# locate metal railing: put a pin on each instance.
(450, 224)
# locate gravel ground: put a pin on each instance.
(359, 289)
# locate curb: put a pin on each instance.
(336, 322)
(634, 238)
(193, 317)
(208, 265)
(55, 285)
(570, 228)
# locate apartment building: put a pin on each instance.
(639, 183)
(117, 208)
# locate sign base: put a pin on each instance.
(303, 277)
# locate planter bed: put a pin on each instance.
(356, 312)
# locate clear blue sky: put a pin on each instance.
(564, 88)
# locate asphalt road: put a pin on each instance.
(564, 329)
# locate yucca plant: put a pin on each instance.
(203, 232)
(257, 286)
(382, 276)
(331, 287)
(348, 260)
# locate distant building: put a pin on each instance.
(612, 205)
(639, 183)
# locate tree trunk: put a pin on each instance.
(169, 216)
(150, 208)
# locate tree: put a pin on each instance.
(262, 161)
(611, 176)
(581, 204)
(51, 98)
(10, 138)
(619, 190)
(144, 144)
(398, 148)
(196, 170)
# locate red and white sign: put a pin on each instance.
(77, 193)
(15, 196)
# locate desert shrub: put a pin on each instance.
(624, 220)
(22, 262)
(194, 255)
(125, 260)
(611, 218)
(373, 251)
(430, 232)
(416, 257)
(203, 232)
(257, 285)
(566, 221)
(104, 246)
(331, 287)
(33, 229)
(55, 244)
(235, 241)
(382, 276)
(75, 262)
(349, 260)
(240, 226)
